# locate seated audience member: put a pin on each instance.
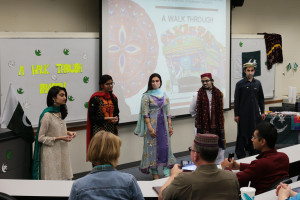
(104, 181)
(207, 182)
(269, 167)
(284, 191)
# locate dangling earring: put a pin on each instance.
(54, 101)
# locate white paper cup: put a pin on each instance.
(247, 193)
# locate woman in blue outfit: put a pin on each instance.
(104, 181)
(155, 126)
(284, 191)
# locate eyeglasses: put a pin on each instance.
(255, 137)
(112, 83)
(205, 81)
(190, 149)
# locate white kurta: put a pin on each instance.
(55, 156)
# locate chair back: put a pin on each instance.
(285, 180)
(4, 196)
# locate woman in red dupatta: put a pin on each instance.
(103, 110)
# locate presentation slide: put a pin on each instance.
(179, 39)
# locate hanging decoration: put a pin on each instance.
(288, 67)
(273, 48)
(295, 67)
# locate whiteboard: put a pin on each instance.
(252, 43)
(32, 65)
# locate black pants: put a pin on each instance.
(242, 145)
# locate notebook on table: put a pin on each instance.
(156, 189)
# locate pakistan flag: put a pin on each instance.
(14, 118)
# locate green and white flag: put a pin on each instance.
(14, 118)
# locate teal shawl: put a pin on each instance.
(36, 167)
(141, 127)
(157, 93)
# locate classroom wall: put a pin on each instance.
(273, 16)
(49, 15)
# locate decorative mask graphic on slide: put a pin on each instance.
(66, 52)
(190, 51)
(132, 35)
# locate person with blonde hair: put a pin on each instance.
(104, 181)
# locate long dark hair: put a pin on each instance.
(150, 81)
(53, 92)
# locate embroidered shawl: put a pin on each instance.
(210, 124)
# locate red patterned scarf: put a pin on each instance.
(215, 123)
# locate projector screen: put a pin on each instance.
(179, 39)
